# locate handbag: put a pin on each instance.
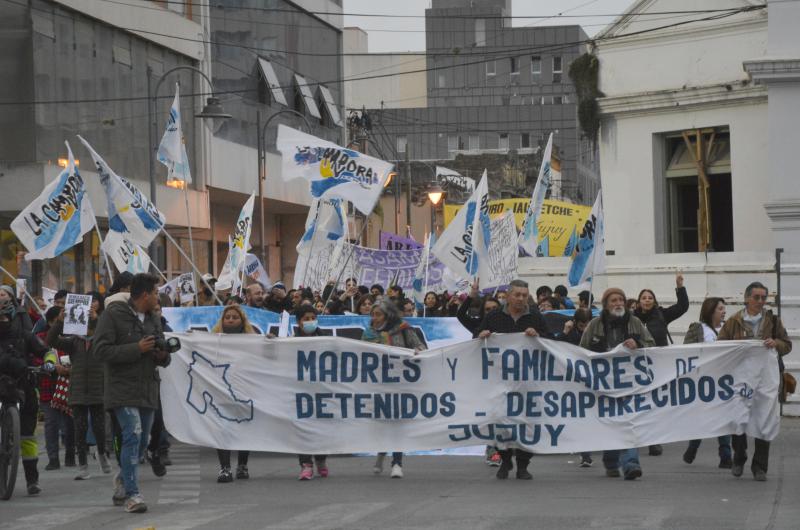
(789, 386)
(60, 398)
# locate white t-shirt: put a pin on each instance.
(709, 335)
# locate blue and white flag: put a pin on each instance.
(529, 235)
(466, 240)
(325, 222)
(240, 243)
(57, 219)
(129, 211)
(421, 275)
(172, 149)
(126, 256)
(569, 248)
(588, 258)
(332, 171)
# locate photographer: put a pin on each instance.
(130, 341)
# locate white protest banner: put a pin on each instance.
(76, 314)
(500, 265)
(186, 287)
(588, 257)
(126, 256)
(129, 211)
(170, 289)
(287, 395)
(332, 171)
(466, 240)
(529, 235)
(57, 219)
(172, 149)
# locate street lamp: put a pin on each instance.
(435, 194)
(212, 110)
(261, 140)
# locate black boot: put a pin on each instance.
(522, 470)
(32, 476)
(505, 464)
(155, 462)
(69, 459)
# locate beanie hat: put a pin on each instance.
(612, 290)
(9, 290)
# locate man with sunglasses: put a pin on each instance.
(753, 322)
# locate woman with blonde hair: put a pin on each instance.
(233, 320)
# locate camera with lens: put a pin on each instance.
(169, 345)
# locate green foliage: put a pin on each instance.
(585, 73)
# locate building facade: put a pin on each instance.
(493, 88)
(95, 69)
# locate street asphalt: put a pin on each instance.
(438, 492)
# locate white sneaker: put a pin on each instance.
(135, 504)
(378, 469)
(119, 491)
(83, 472)
(104, 465)
(397, 471)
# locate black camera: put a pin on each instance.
(169, 345)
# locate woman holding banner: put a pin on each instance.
(712, 314)
(234, 320)
(387, 327)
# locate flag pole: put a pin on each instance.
(189, 226)
(100, 246)
(39, 309)
(427, 263)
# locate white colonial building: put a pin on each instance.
(733, 82)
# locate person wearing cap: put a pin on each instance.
(616, 325)
(278, 302)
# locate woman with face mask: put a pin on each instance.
(386, 326)
(308, 326)
(234, 320)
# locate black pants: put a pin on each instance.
(157, 432)
(225, 458)
(80, 413)
(760, 455)
(523, 457)
(306, 459)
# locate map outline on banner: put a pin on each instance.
(207, 398)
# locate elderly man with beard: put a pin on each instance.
(616, 325)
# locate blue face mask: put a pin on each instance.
(309, 326)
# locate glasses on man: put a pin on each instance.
(758, 297)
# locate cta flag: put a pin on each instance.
(240, 243)
(129, 211)
(57, 219)
(529, 236)
(466, 241)
(326, 221)
(126, 256)
(588, 258)
(332, 171)
(172, 149)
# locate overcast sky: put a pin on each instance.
(411, 31)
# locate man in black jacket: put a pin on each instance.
(515, 317)
(126, 340)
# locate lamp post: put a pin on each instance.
(261, 140)
(435, 194)
(212, 110)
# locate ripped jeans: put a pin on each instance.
(135, 424)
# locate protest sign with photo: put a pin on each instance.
(76, 314)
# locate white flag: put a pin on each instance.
(241, 235)
(500, 265)
(450, 176)
(129, 211)
(529, 236)
(57, 219)
(170, 289)
(325, 222)
(126, 256)
(172, 149)
(332, 171)
(588, 258)
(421, 276)
(466, 240)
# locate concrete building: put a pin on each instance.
(493, 88)
(732, 83)
(86, 67)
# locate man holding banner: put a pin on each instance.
(615, 326)
(515, 317)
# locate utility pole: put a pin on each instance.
(408, 193)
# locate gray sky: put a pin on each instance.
(412, 35)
